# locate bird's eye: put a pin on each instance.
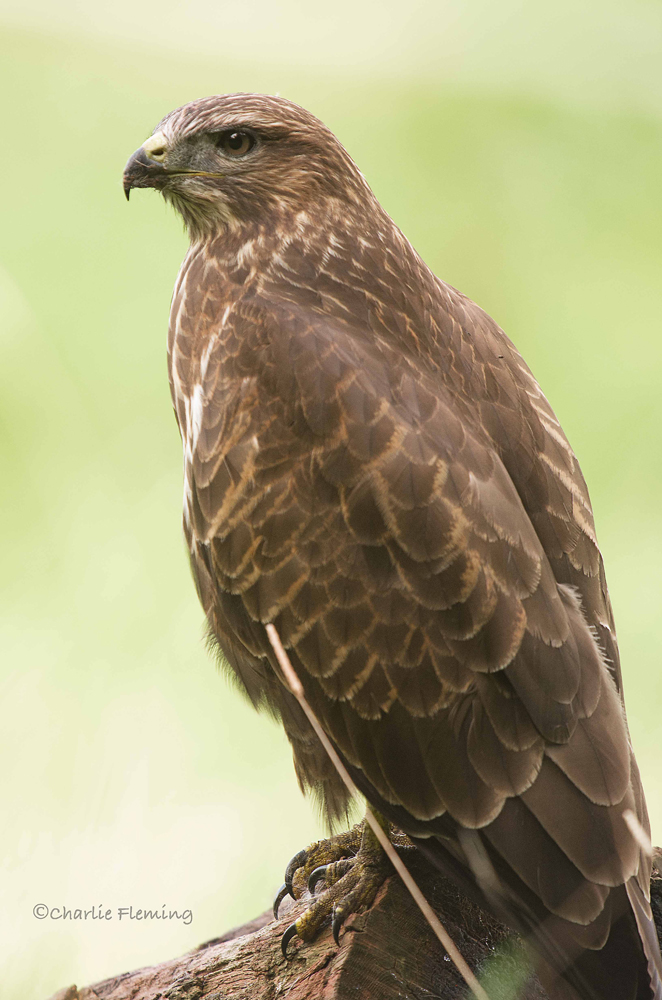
(236, 143)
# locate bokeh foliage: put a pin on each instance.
(133, 773)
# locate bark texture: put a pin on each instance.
(387, 953)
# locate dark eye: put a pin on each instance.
(236, 143)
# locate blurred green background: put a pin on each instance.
(520, 149)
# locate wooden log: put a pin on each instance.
(386, 953)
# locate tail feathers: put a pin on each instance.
(624, 969)
(644, 919)
(615, 958)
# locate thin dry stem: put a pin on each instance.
(439, 930)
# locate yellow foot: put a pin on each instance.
(352, 866)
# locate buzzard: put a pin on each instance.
(370, 466)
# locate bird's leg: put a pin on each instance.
(352, 866)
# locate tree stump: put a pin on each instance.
(386, 953)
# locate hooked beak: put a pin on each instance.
(146, 168)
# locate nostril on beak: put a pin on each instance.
(155, 148)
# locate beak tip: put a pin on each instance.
(142, 172)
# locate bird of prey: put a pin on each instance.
(370, 466)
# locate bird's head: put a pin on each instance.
(240, 159)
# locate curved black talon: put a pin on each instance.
(287, 937)
(297, 861)
(336, 924)
(315, 876)
(284, 891)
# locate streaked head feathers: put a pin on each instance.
(291, 161)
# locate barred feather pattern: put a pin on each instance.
(371, 466)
